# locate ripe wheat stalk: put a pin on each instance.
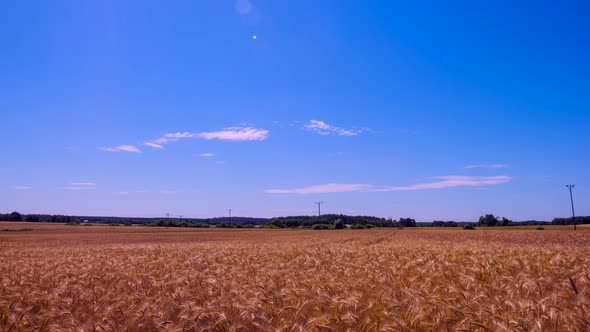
(263, 280)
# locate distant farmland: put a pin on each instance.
(55, 277)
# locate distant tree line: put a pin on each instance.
(357, 222)
(176, 223)
(339, 221)
(191, 224)
(489, 220)
(570, 221)
(529, 223)
(15, 216)
(439, 223)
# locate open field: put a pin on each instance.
(56, 277)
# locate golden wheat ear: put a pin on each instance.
(65, 278)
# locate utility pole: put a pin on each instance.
(229, 214)
(167, 215)
(319, 208)
(570, 186)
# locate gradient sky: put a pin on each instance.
(426, 109)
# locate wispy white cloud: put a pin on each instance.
(207, 155)
(243, 7)
(226, 134)
(22, 187)
(121, 148)
(453, 181)
(486, 166)
(441, 183)
(236, 134)
(128, 192)
(322, 128)
(163, 140)
(326, 188)
(78, 188)
(153, 145)
(77, 184)
(172, 137)
(168, 192)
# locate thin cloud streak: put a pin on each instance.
(73, 188)
(443, 182)
(453, 181)
(320, 189)
(22, 187)
(76, 184)
(128, 192)
(121, 148)
(153, 145)
(243, 7)
(486, 166)
(322, 128)
(226, 134)
(236, 134)
(207, 155)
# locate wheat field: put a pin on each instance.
(100, 278)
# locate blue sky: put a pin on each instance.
(427, 109)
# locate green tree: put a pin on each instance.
(407, 222)
(504, 221)
(488, 220)
(15, 216)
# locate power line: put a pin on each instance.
(570, 187)
(319, 208)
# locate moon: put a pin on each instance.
(254, 37)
